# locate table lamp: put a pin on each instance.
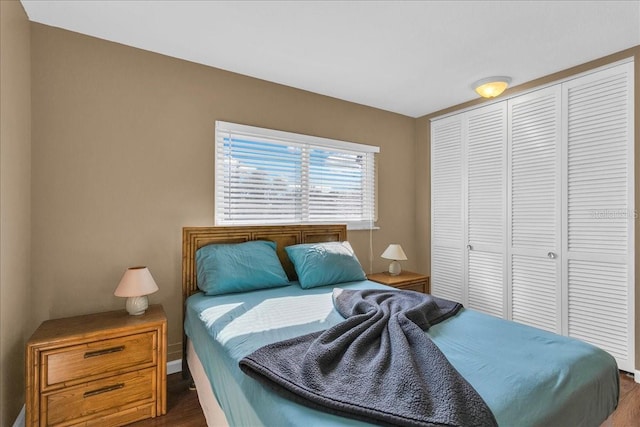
(394, 252)
(136, 284)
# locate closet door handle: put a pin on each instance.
(551, 255)
(469, 247)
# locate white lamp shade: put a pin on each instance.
(394, 252)
(136, 282)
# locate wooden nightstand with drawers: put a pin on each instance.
(105, 369)
(405, 280)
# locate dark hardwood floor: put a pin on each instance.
(628, 412)
(183, 408)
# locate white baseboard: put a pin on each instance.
(636, 377)
(21, 420)
(173, 367)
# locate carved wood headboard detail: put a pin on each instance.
(193, 238)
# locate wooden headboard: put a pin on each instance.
(193, 238)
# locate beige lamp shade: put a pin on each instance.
(394, 252)
(136, 284)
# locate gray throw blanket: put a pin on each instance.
(377, 366)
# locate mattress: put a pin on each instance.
(527, 377)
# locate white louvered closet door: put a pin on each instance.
(599, 252)
(534, 218)
(447, 239)
(486, 215)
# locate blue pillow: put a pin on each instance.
(239, 267)
(319, 264)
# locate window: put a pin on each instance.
(264, 176)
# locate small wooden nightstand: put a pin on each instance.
(105, 369)
(405, 280)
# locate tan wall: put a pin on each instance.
(423, 185)
(123, 159)
(15, 205)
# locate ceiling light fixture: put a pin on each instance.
(491, 86)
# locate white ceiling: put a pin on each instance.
(409, 57)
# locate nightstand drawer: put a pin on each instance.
(405, 280)
(70, 405)
(66, 364)
(418, 287)
(127, 416)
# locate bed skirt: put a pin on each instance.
(212, 412)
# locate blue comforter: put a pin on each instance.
(527, 377)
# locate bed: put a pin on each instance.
(526, 376)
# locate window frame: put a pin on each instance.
(225, 131)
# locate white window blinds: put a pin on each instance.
(264, 176)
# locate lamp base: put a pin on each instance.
(137, 305)
(394, 268)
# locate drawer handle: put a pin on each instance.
(103, 352)
(103, 390)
